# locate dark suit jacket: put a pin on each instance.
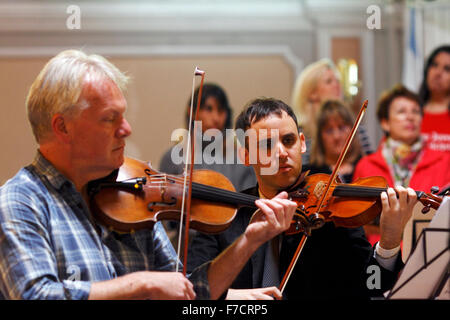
(333, 263)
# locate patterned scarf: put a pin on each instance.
(402, 159)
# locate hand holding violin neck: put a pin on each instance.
(397, 209)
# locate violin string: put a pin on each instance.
(359, 191)
(217, 193)
(362, 191)
(222, 193)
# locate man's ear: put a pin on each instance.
(302, 142)
(59, 127)
(243, 156)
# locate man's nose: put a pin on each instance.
(282, 152)
(124, 129)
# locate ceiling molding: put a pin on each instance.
(183, 16)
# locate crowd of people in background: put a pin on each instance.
(413, 152)
(53, 247)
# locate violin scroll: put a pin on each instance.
(429, 200)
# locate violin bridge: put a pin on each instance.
(163, 191)
(163, 187)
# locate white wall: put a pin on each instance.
(250, 47)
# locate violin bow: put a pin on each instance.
(343, 154)
(188, 178)
(324, 194)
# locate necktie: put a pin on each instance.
(271, 275)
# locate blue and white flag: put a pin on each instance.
(413, 54)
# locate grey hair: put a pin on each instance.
(58, 87)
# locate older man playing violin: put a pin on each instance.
(50, 245)
(336, 262)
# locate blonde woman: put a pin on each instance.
(319, 81)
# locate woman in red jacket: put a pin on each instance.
(403, 157)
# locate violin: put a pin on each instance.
(347, 205)
(140, 196)
(137, 196)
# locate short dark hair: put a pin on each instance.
(261, 108)
(424, 91)
(390, 95)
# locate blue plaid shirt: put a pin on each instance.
(50, 249)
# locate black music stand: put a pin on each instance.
(426, 273)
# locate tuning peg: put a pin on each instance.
(426, 209)
(434, 190)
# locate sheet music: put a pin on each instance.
(428, 265)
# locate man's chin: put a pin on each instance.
(281, 182)
(117, 160)
(112, 165)
(120, 161)
(287, 179)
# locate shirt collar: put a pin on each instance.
(46, 169)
